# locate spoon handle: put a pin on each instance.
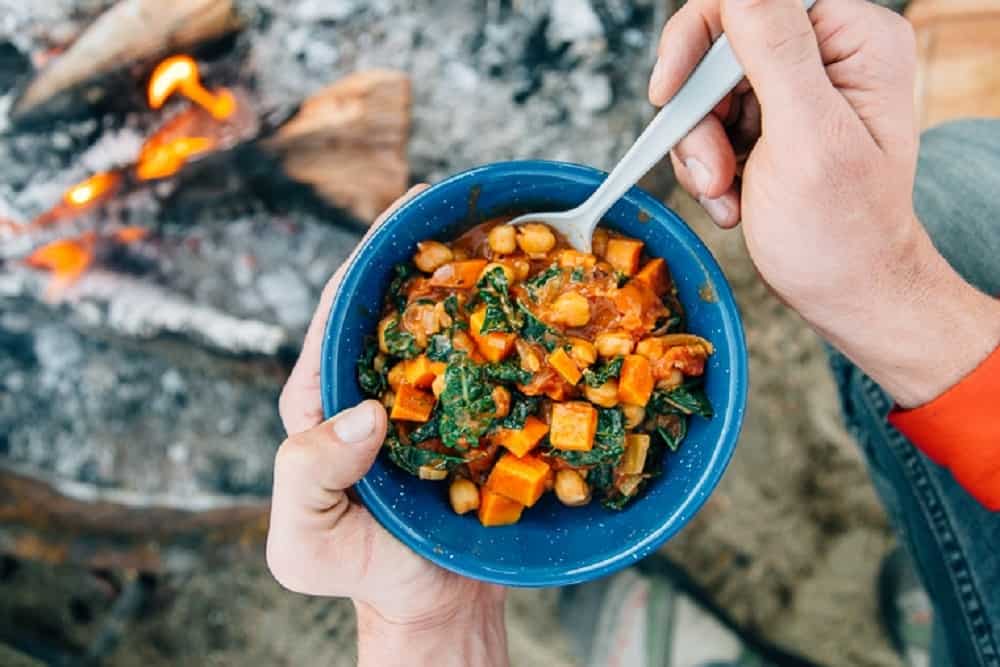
(714, 77)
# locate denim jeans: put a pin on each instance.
(954, 540)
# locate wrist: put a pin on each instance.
(915, 327)
(470, 634)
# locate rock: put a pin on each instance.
(593, 89)
(325, 10)
(288, 295)
(575, 22)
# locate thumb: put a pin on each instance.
(775, 43)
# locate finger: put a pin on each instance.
(724, 210)
(312, 520)
(775, 43)
(300, 405)
(687, 36)
(708, 157)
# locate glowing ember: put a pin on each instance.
(180, 74)
(162, 159)
(127, 235)
(91, 189)
(67, 259)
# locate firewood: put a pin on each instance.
(131, 32)
(348, 142)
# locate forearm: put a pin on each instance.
(917, 328)
(476, 635)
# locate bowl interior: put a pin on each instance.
(552, 544)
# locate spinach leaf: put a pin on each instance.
(439, 348)
(606, 371)
(533, 285)
(400, 342)
(428, 430)
(508, 371)
(397, 294)
(501, 316)
(673, 431)
(521, 407)
(467, 407)
(609, 442)
(688, 399)
(577, 275)
(536, 331)
(372, 382)
(411, 459)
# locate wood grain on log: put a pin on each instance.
(130, 32)
(348, 142)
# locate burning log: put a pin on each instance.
(130, 33)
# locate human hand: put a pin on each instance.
(322, 542)
(816, 153)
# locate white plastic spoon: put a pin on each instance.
(714, 78)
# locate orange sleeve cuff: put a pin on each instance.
(960, 430)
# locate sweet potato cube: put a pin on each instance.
(497, 510)
(571, 259)
(565, 366)
(623, 254)
(463, 274)
(523, 440)
(421, 371)
(655, 275)
(494, 346)
(573, 426)
(635, 385)
(636, 448)
(519, 478)
(411, 404)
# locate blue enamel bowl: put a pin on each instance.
(552, 545)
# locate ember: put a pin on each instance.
(180, 74)
(161, 159)
(90, 190)
(67, 259)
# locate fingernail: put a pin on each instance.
(356, 424)
(654, 78)
(718, 209)
(699, 174)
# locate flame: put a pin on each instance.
(87, 191)
(180, 74)
(127, 235)
(67, 259)
(161, 159)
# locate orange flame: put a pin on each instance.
(67, 259)
(86, 192)
(162, 159)
(180, 74)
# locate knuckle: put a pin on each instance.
(794, 48)
(293, 454)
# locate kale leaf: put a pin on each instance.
(397, 294)
(609, 442)
(620, 278)
(508, 371)
(577, 275)
(533, 285)
(467, 407)
(536, 331)
(411, 459)
(428, 430)
(439, 348)
(522, 406)
(606, 371)
(400, 342)
(494, 291)
(672, 432)
(452, 308)
(602, 477)
(372, 382)
(688, 399)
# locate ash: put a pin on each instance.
(158, 375)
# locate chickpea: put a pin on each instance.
(522, 267)
(460, 254)
(396, 375)
(464, 496)
(382, 326)
(569, 259)
(508, 272)
(431, 473)
(432, 254)
(583, 352)
(634, 414)
(443, 318)
(502, 239)
(650, 348)
(605, 396)
(613, 344)
(463, 342)
(535, 239)
(438, 386)
(388, 398)
(571, 309)
(529, 359)
(672, 381)
(501, 397)
(378, 363)
(599, 242)
(571, 489)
